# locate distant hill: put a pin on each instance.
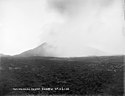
(2, 55)
(38, 51)
(47, 50)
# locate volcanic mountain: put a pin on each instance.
(38, 51)
(47, 50)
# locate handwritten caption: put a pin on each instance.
(38, 89)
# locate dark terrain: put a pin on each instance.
(86, 76)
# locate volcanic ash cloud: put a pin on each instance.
(85, 27)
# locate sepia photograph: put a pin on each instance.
(62, 47)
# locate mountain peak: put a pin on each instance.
(41, 50)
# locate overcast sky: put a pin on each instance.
(72, 27)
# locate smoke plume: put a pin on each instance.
(85, 27)
(61, 28)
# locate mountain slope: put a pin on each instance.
(38, 51)
(46, 50)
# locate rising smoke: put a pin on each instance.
(69, 28)
(85, 27)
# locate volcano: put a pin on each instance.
(48, 50)
(38, 51)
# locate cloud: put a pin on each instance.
(73, 6)
(87, 23)
(70, 27)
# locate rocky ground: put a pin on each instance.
(89, 76)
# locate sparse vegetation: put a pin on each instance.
(96, 76)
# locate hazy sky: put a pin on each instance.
(72, 27)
